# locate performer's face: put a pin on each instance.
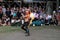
(27, 12)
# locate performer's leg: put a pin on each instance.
(23, 27)
(27, 29)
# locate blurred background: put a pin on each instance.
(18, 3)
(46, 7)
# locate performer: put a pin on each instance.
(26, 22)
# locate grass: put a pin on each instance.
(46, 27)
(9, 29)
(16, 29)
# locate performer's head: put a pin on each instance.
(27, 11)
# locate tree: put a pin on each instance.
(49, 7)
(57, 5)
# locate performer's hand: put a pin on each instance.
(22, 15)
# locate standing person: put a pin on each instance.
(8, 14)
(3, 9)
(26, 22)
(1, 14)
(55, 19)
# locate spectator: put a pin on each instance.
(48, 18)
(15, 14)
(35, 15)
(8, 21)
(55, 19)
(8, 12)
(4, 20)
(19, 14)
(1, 14)
(3, 9)
(12, 11)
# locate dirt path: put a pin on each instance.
(44, 34)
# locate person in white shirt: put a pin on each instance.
(48, 18)
(3, 9)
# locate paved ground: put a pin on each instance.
(43, 34)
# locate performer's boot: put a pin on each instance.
(28, 34)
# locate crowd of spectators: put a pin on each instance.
(13, 14)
